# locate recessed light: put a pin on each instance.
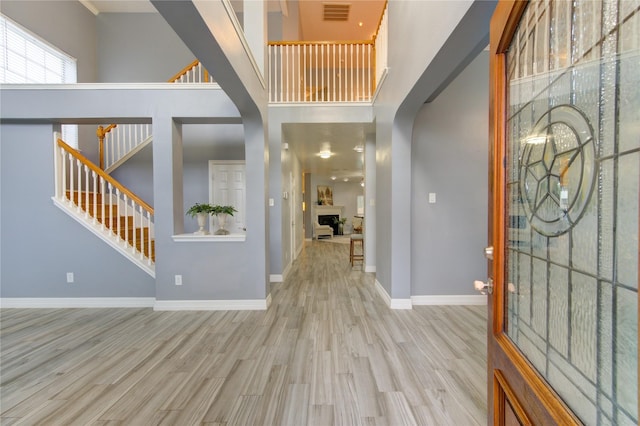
(346, 179)
(359, 24)
(333, 178)
(358, 148)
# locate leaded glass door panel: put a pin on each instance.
(564, 194)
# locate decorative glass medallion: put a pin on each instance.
(558, 170)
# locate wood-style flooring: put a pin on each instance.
(328, 351)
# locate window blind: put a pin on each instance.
(27, 59)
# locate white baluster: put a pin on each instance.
(342, 73)
(86, 191)
(102, 202)
(94, 176)
(148, 215)
(79, 183)
(351, 73)
(127, 144)
(118, 224)
(110, 213)
(126, 220)
(315, 83)
(280, 55)
(305, 52)
(63, 173)
(134, 229)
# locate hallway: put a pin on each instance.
(327, 351)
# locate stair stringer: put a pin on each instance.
(129, 154)
(105, 234)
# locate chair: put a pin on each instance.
(356, 238)
(322, 230)
(357, 225)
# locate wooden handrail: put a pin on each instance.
(301, 43)
(184, 71)
(101, 132)
(84, 160)
(386, 4)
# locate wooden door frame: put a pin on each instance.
(509, 372)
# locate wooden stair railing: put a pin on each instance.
(104, 203)
(117, 142)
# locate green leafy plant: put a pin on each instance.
(200, 208)
(341, 221)
(223, 209)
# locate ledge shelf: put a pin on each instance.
(191, 238)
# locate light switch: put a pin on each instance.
(271, 202)
(432, 198)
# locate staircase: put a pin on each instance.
(104, 206)
(121, 224)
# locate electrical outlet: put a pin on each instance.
(178, 279)
(69, 277)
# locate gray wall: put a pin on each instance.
(138, 47)
(40, 243)
(72, 30)
(449, 157)
(432, 53)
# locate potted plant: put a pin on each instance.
(201, 212)
(221, 213)
(340, 223)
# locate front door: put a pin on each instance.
(565, 132)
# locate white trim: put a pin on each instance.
(320, 104)
(268, 300)
(90, 6)
(370, 268)
(194, 238)
(383, 293)
(113, 86)
(240, 32)
(383, 77)
(276, 278)
(401, 304)
(454, 299)
(212, 305)
(392, 303)
(76, 302)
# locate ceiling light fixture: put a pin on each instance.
(325, 154)
(333, 178)
(346, 179)
(358, 148)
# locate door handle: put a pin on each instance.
(488, 252)
(482, 287)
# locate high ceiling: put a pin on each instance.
(341, 21)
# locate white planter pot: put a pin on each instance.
(222, 222)
(202, 219)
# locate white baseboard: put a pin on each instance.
(286, 271)
(467, 299)
(383, 293)
(276, 278)
(76, 302)
(392, 303)
(370, 268)
(212, 305)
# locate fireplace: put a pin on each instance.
(331, 220)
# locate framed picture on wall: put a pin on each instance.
(325, 195)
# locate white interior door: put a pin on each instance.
(227, 187)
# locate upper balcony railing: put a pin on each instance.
(307, 71)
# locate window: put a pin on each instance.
(26, 59)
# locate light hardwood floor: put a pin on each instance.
(328, 351)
